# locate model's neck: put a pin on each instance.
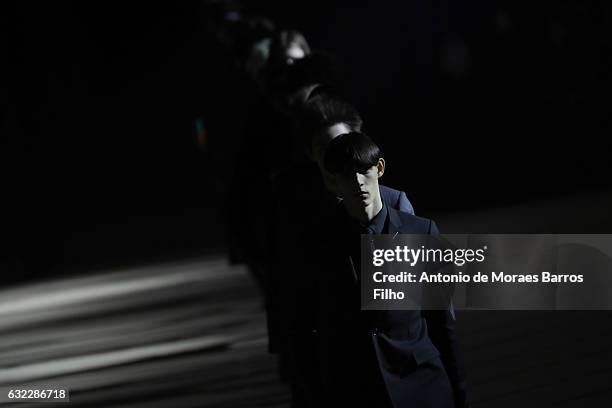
(365, 214)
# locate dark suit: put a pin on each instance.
(396, 199)
(346, 356)
(301, 202)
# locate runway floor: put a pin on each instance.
(192, 334)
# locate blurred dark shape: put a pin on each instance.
(320, 110)
(287, 47)
(287, 86)
(269, 146)
(201, 133)
(455, 57)
(219, 17)
(252, 39)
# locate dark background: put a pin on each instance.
(478, 105)
(494, 117)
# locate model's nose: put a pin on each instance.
(360, 178)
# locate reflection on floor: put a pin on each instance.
(188, 334)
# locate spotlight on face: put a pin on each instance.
(359, 189)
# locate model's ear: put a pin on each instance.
(381, 167)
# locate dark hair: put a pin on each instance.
(351, 152)
(322, 111)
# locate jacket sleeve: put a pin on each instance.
(441, 326)
(443, 334)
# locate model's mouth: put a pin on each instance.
(361, 194)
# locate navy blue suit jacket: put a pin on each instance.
(419, 338)
(416, 353)
(396, 199)
(295, 212)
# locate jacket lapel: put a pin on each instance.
(395, 223)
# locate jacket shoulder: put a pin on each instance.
(388, 193)
(396, 199)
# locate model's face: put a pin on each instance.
(260, 51)
(294, 52)
(359, 189)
